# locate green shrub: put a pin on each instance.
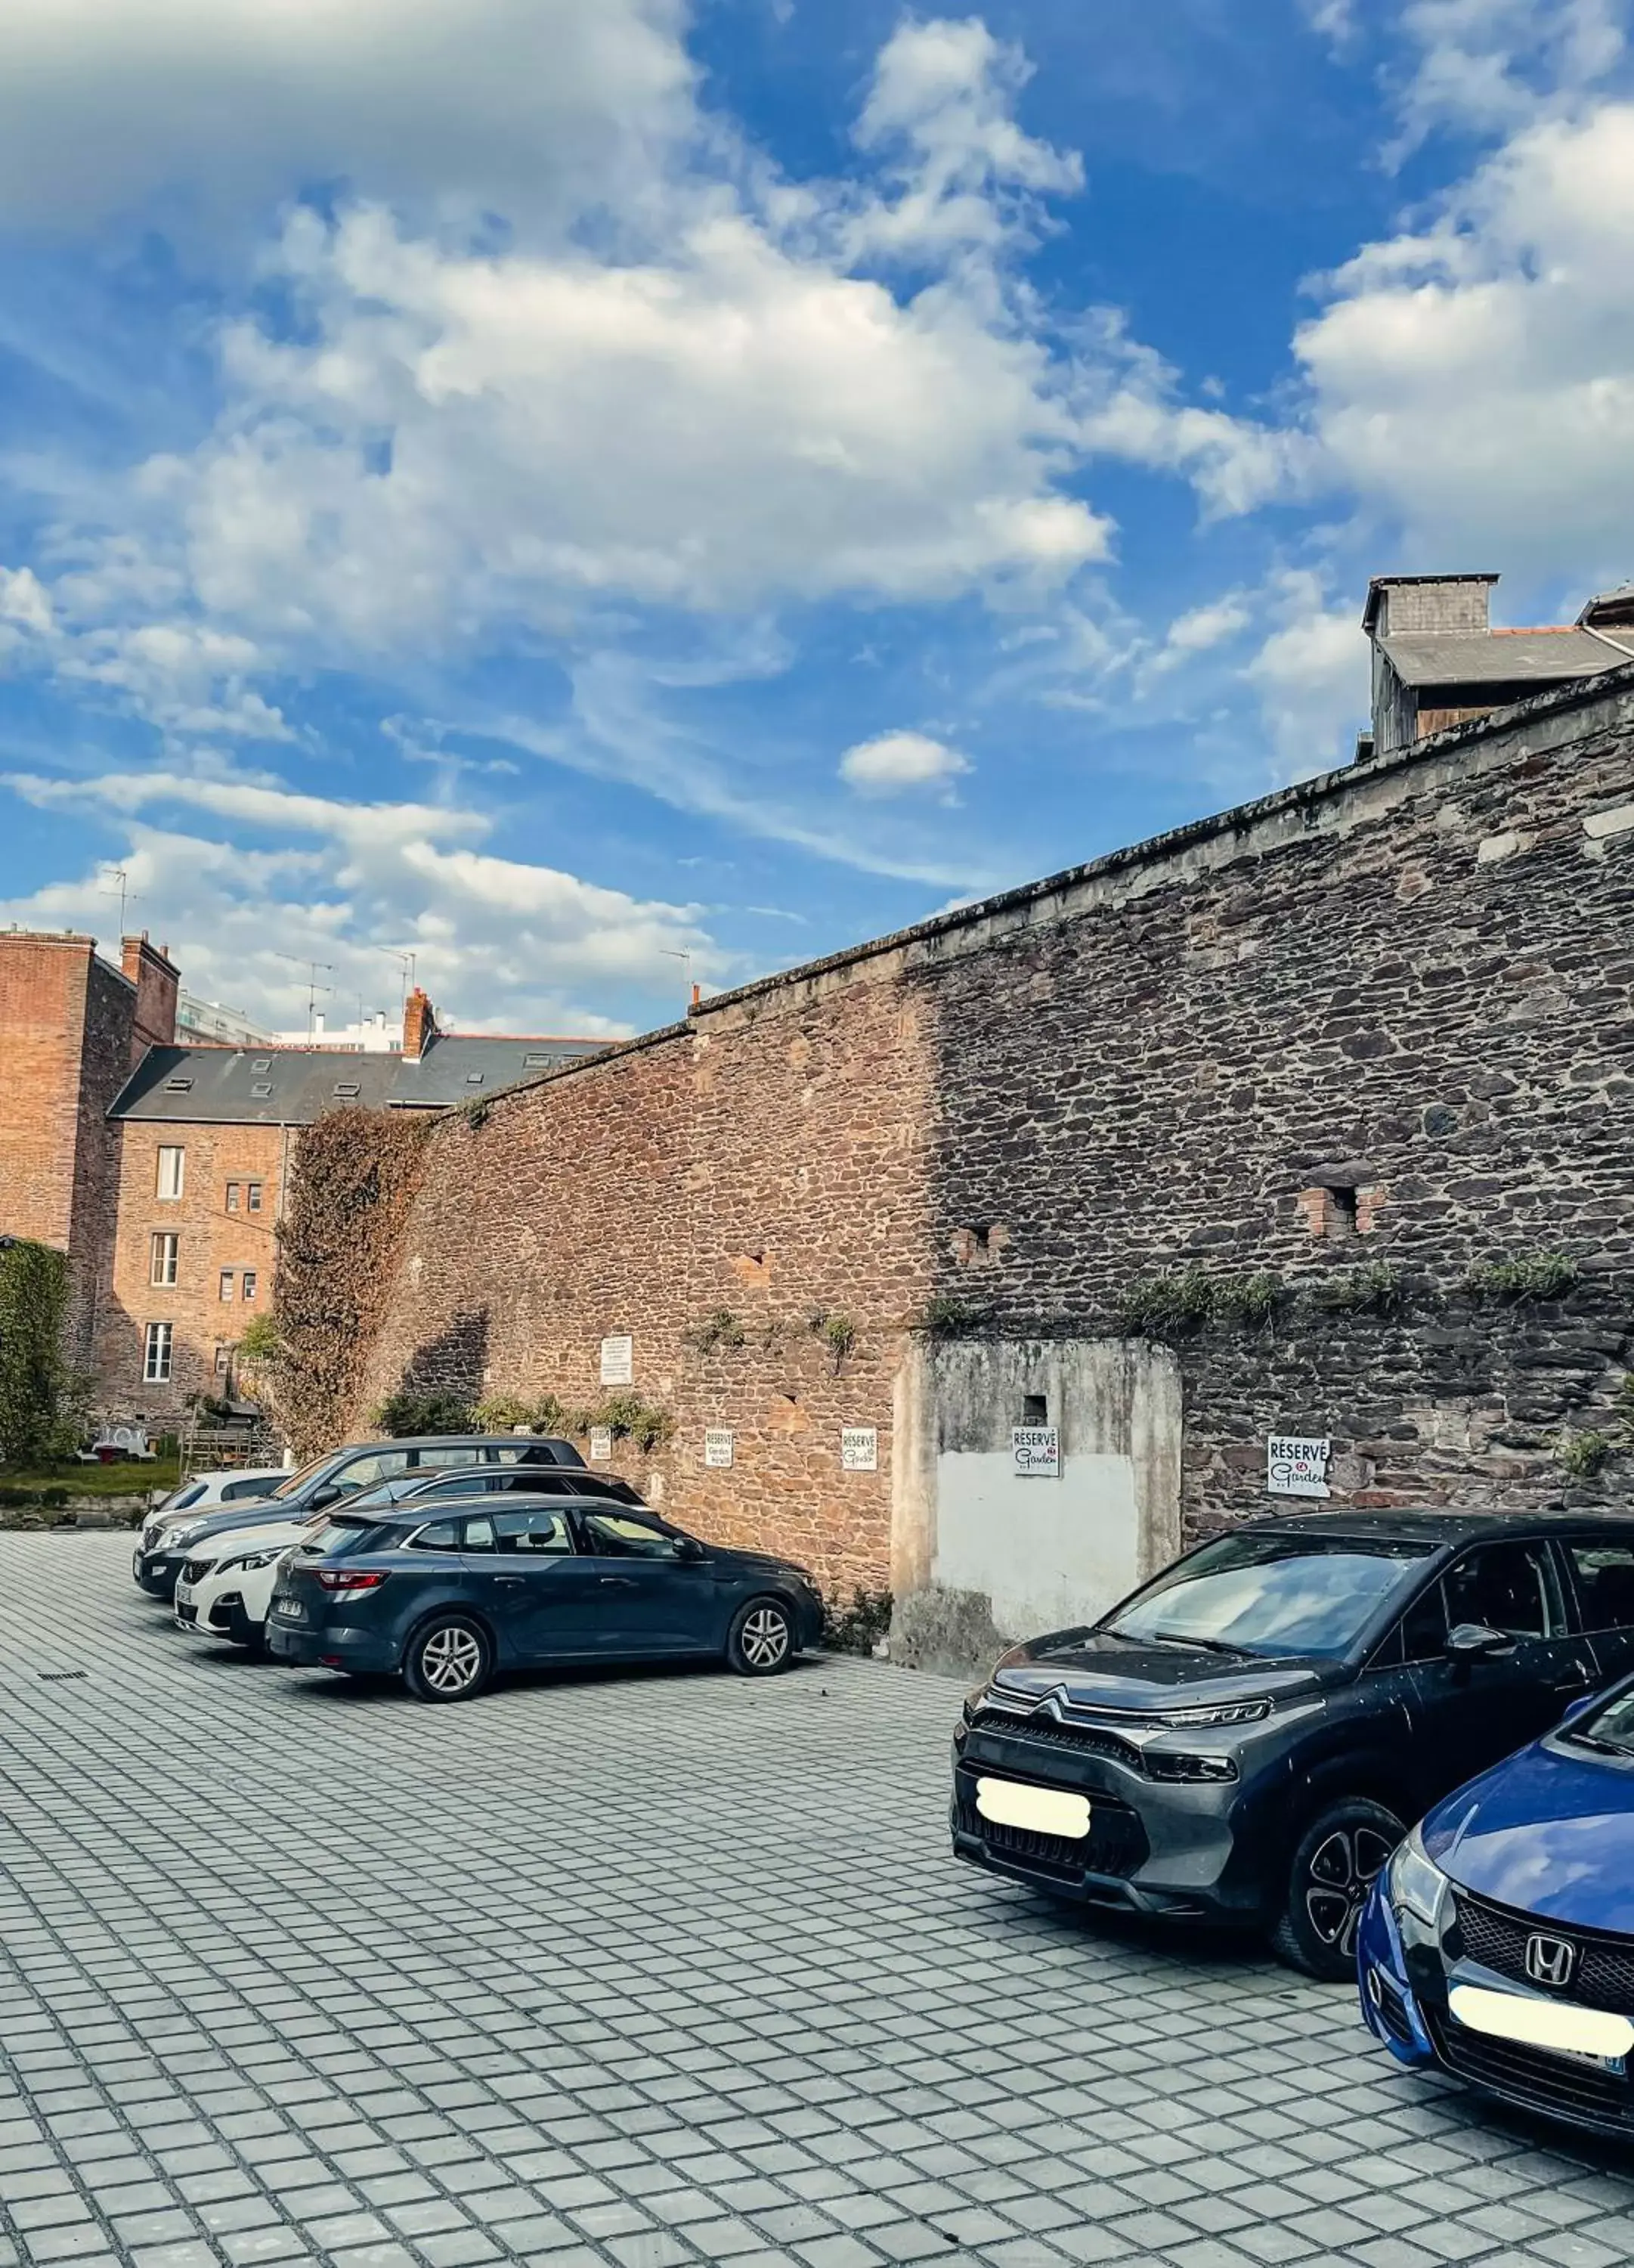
(720, 1329)
(1538, 1276)
(628, 1418)
(1245, 1298)
(431, 1412)
(859, 1628)
(260, 1340)
(39, 1418)
(501, 1413)
(837, 1332)
(1168, 1306)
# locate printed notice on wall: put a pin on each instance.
(618, 1361)
(601, 1444)
(1296, 1464)
(1036, 1450)
(717, 1446)
(859, 1448)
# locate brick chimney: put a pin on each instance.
(156, 977)
(419, 1025)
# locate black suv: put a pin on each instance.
(1247, 1737)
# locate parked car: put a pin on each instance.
(448, 1596)
(1499, 1941)
(226, 1580)
(1245, 1739)
(204, 1491)
(330, 1480)
(488, 1480)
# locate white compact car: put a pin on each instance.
(201, 1493)
(226, 1588)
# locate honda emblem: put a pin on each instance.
(1550, 1960)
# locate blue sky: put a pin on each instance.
(594, 495)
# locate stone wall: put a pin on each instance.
(1384, 1016)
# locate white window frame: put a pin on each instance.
(157, 1349)
(164, 1258)
(223, 1287)
(249, 1284)
(178, 1173)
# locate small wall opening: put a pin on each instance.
(1332, 1211)
(1035, 1410)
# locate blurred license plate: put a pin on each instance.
(288, 1610)
(1044, 1810)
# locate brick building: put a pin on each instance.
(161, 1169)
(72, 1028)
(1183, 1152)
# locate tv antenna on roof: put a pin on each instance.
(312, 986)
(118, 874)
(406, 961)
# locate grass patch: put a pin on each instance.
(123, 1478)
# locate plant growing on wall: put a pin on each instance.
(859, 1628)
(945, 1316)
(1376, 1289)
(1166, 1306)
(1582, 1455)
(353, 1180)
(39, 1416)
(1245, 1298)
(628, 1418)
(837, 1332)
(719, 1329)
(1535, 1276)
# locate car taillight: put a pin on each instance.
(346, 1579)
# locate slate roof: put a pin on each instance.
(1532, 659)
(290, 1086)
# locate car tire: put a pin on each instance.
(762, 1639)
(448, 1659)
(1334, 1865)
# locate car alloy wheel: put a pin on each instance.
(766, 1636)
(1339, 1873)
(763, 1639)
(451, 1660)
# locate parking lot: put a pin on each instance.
(642, 1971)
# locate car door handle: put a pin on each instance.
(510, 1582)
(618, 1582)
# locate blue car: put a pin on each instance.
(1498, 1943)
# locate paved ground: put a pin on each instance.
(638, 1972)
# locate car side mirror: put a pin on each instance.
(326, 1495)
(688, 1547)
(1477, 1642)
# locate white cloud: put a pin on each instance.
(500, 942)
(1311, 676)
(1473, 383)
(1492, 65)
(539, 108)
(897, 763)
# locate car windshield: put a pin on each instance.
(297, 1481)
(1609, 1727)
(1298, 1594)
(333, 1536)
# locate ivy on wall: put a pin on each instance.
(38, 1413)
(354, 1176)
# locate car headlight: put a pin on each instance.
(176, 1539)
(1417, 1883)
(1224, 1713)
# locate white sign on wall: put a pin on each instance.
(618, 1361)
(1036, 1449)
(859, 1448)
(1296, 1464)
(600, 1444)
(718, 1446)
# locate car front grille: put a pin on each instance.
(186, 1614)
(1534, 2079)
(194, 1571)
(1055, 1731)
(1603, 1976)
(1116, 1842)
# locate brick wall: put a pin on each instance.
(210, 1239)
(1386, 1015)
